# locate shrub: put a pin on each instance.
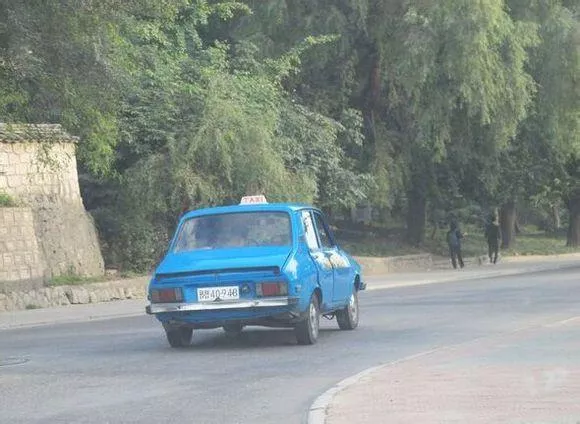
(7, 201)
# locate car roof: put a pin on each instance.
(261, 207)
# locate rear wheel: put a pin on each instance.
(347, 317)
(179, 336)
(307, 330)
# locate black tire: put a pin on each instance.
(307, 330)
(179, 336)
(348, 317)
(233, 329)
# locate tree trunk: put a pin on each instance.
(507, 222)
(375, 82)
(556, 224)
(434, 232)
(574, 225)
(417, 212)
(372, 97)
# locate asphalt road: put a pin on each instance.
(122, 370)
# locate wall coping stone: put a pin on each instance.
(35, 133)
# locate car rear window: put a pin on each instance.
(234, 230)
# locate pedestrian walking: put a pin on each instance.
(492, 235)
(454, 237)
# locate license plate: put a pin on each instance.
(212, 294)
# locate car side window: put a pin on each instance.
(325, 239)
(309, 231)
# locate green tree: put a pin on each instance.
(454, 79)
(206, 122)
(55, 67)
(542, 160)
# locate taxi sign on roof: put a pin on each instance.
(249, 200)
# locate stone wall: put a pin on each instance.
(40, 172)
(378, 266)
(68, 241)
(21, 262)
(38, 168)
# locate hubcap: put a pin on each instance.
(314, 320)
(353, 308)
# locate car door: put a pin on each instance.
(323, 265)
(342, 286)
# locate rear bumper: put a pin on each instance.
(160, 308)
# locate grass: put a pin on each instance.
(369, 246)
(71, 279)
(368, 243)
(532, 244)
(531, 241)
(374, 242)
(31, 306)
(7, 201)
(128, 274)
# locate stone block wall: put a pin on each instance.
(68, 240)
(380, 266)
(38, 168)
(21, 262)
(40, 173)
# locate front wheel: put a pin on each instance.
(179, 336)
(347, 317)
(307, 330)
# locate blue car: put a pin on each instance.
(274, 265)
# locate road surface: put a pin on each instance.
(122, 370)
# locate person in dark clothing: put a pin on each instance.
(454, 236)
(492, 235)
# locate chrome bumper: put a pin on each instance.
(157, 308)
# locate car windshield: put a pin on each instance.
(247, 229)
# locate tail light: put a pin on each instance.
(271, 289)
(166, 295)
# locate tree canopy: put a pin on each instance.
(414, 107)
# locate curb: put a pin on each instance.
(317, 412)
(75, 294)
(318, 409)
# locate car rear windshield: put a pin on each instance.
(233, 230)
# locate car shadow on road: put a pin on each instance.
(248, 339)
(272, 338)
